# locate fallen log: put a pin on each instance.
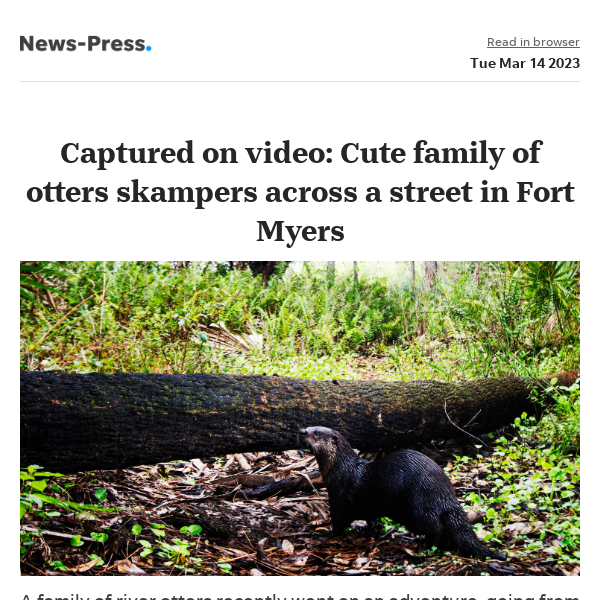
(73, 422)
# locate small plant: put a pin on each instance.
(148, 548)
(36, 502)
(176, 552)
(33, 484)
(225, 568)
(26, 541)
(532, 483)
(193, 529)
(33, 499)
(99, 561)
(389, 525)
(562, 425)
(100, 494)
(57, 565)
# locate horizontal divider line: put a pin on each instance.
(307, 81)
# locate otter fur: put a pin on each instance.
(406, 486)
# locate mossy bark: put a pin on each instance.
(72, 422)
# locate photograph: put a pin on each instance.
(300, 418)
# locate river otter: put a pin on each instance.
(405, 486)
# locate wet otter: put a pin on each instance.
(405, 486)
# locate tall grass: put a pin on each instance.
(487, 318)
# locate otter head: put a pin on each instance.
(322, 442)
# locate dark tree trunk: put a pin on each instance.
(431, 271)
(73, 422)
(475, 275)
(265, 268)
(238, 265)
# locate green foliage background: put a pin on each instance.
(473, 319)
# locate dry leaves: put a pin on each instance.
(240, 535)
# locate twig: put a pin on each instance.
(474, 417)
(56, 533)
(232, 558)
(431, 565)
(460, 428)
(34, 567)
(296, 465)
(51, 299)
(104, 290)
(305, 475)
(41, 340)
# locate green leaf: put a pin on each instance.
(146, 543)
(99, 537)
(39, 485)
(29, 498)
(490, 513)
(99, 561)
(76, 541)
(57, 565)
(23, 510)
(100, 494)
(194, 530)
(136, 529)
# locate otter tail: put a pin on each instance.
(459, 532)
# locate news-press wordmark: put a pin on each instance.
(92, 43)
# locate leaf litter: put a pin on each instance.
(227, 516)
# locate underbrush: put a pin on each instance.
(529, 484)
(152, 317)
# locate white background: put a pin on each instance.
(320, 74)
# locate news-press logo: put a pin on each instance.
(93, 43)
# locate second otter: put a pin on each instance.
(405, 486)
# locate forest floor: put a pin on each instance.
(188, 517)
